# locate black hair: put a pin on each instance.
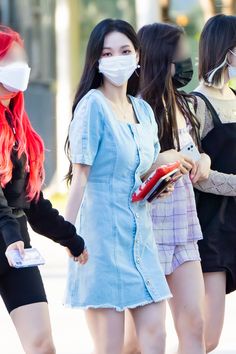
(91, 78)
(217, 38)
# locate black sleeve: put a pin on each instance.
(9, 227)
(45, 220)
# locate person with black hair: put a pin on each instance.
(216, 196)
(112, 144)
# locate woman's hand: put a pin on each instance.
(201, 170)
(82, 259)
(169, 156)
(19, 245)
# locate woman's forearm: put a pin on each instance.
(73, 204)
(164, 158)
(218, 183)
(78, 185)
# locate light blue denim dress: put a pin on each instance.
(123, 270)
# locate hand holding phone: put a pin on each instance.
(191, 151)
(30, 258)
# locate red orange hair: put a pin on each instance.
(29, 142)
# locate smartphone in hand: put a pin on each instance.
(190, 150)
(32, 258)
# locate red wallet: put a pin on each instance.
(157, 182)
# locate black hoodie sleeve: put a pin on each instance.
(9, 227)
(45, 220)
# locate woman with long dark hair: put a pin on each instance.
(166, 67)
(112, 143)
(21, 200)
(216, 199)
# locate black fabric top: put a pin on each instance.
(216, 212)
(43, 218)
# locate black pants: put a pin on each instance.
(19, 287)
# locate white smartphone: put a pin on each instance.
(191, 151)
(32, 258)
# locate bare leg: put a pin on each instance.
(32, 323)
(187, 307)
(215, 284)
(150, 327)
(107, 329)
(131, 345)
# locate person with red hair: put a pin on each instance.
(21, 200)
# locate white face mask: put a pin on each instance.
(232, 69)
(118, 69)
(15, 76)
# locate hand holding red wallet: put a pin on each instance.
(157, 182)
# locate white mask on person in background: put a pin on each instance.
(15, 76)
(118, 69)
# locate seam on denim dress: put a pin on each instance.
(136, 249)
(114, 229)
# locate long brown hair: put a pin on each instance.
(158, 44)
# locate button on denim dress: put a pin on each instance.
(123, 270)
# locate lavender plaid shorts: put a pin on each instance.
(171, 256)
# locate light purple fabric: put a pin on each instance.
(175, 218)
(172, 257)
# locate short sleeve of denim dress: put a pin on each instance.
(123, 270)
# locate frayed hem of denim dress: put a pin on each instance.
(117, 308)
